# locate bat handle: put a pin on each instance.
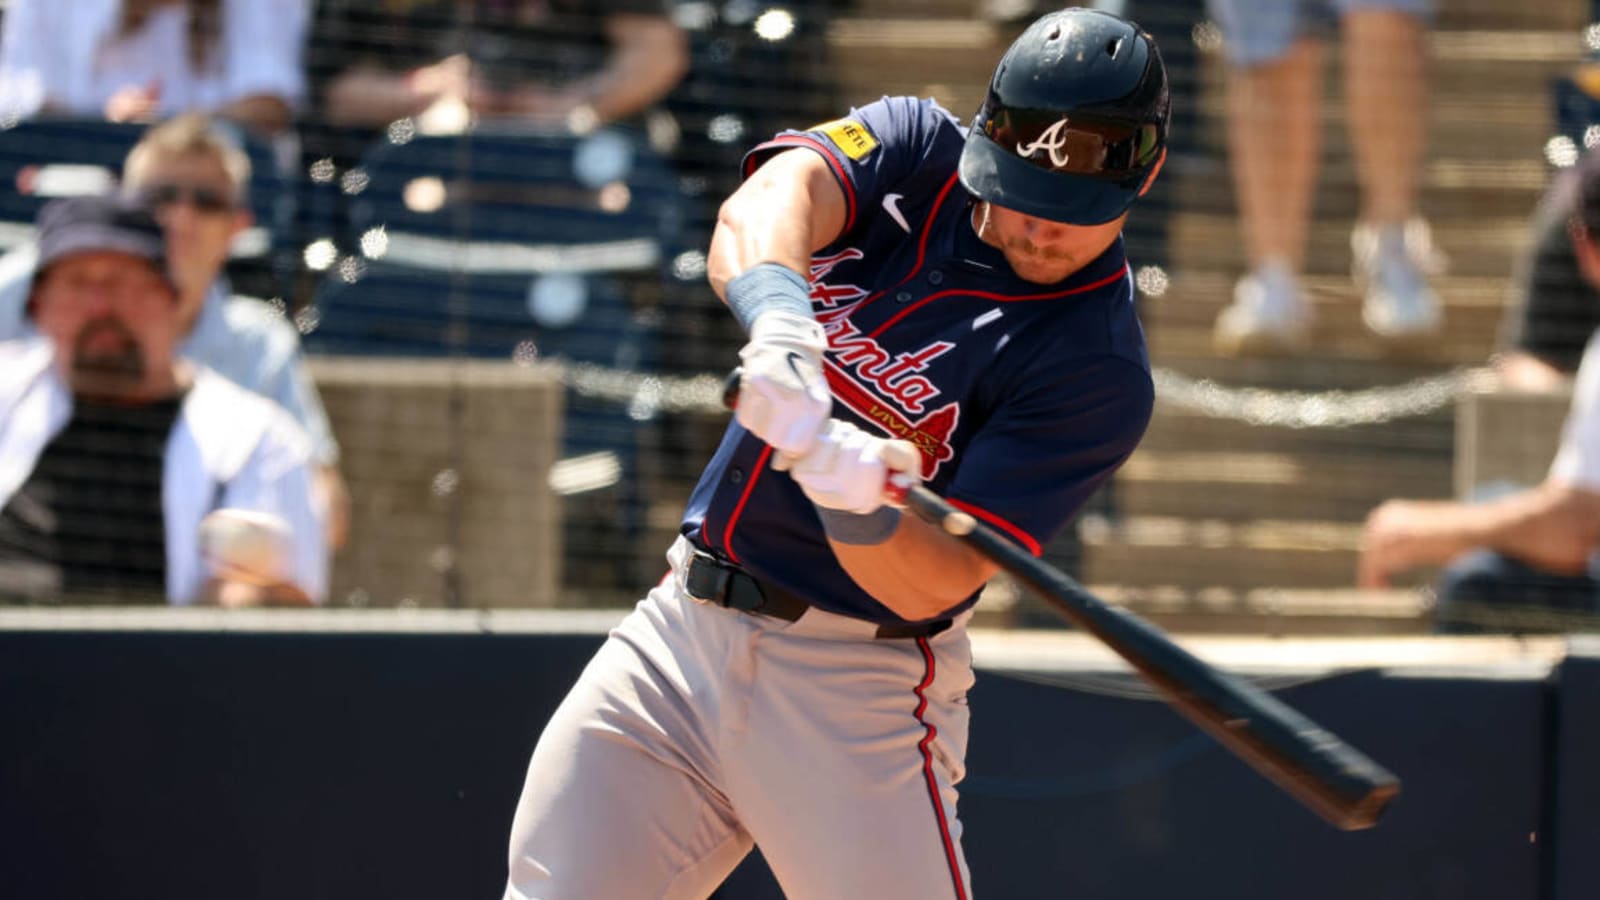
(896, 485)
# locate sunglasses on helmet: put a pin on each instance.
(1076, 143)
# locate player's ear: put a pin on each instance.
(1154, 171)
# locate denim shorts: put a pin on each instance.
(1260, 31)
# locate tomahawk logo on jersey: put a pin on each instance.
(1022, 397)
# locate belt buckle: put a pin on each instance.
(706, 579)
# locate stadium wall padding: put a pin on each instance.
(277, 763)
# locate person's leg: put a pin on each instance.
(1274, 145)
(846, 770)
(1274, 142)
(622, 798)
(1386, 92)
(1486, 592)
(1385, 74)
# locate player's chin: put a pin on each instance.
(1039, 270)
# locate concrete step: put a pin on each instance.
(1481, 247)
(1308, 372)
(1472, 309)
(1450, 15)
(1429, 437)
(1452, 186)
(1250, 484)
(1489, 15)
(919, 9)
(1201, 554)
(1450, 349)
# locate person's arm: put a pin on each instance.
(785, 211)
(1554, 526)
(919, 572)
(276, 486)
(232, 594)
(649, 56)
(367, 95)
(1523, 371)
(261, 113)
(263, 44)
(248, 554)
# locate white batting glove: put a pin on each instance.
(783, 396)
(847, 468)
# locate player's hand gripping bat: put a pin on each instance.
(1313, 765)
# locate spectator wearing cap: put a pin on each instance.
(195, 178)
(126, 473)
(1521, 562)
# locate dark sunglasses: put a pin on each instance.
(203, 199)
(1082, 145)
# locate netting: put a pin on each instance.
(487, 225)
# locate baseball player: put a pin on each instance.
(951, 303)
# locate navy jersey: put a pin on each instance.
(1021, 397)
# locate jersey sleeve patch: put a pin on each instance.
(849, 136)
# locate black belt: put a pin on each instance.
(714, 581)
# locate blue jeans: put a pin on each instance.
(1486, 592)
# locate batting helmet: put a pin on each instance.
(1075, 122)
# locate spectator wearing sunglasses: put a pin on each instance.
(195, 179)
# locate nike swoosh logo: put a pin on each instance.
(891, 205)
(793, 359)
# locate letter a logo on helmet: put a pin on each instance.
(1075, 121)
(1054, 140)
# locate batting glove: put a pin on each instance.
(783, 396)
(847, 468)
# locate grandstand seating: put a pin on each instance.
(48, 157)
(515, 245)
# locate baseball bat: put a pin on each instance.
(1335, 780)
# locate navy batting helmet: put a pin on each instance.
(1075, 122)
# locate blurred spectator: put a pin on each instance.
(196, 180)
(1275, 141)
(140, 60)
(125, 473)
(1553, 309)
(565, 64)
(1526, 557)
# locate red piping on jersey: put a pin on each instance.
(1004, 298)
(922, 243)
(727, 532)
(1022, 537)
(951, 856)
(927, 228)
(802, 140)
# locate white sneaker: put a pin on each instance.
(1269, 313)
(1390, 266)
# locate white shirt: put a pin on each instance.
(1578, 460)
(228, 449)
(239, 338)
(66, 54)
